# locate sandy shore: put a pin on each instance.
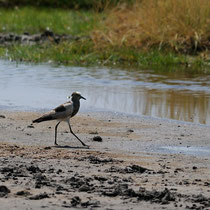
(141, 163)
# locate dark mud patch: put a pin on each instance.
(76, 201)
(163, 197)
(128, 169)
(81, 183)
(4, 190)
(39, 196)
(28, 39)
(91, 180)
(97, 160)
(120, 190)
(23, 193)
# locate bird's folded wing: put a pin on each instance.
(63, 111)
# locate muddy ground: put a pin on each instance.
(40, 38)
(131, 163)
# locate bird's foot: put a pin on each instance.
(85, 145)
(56, 144)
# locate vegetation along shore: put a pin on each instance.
(152, 33)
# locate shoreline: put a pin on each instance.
(120, 172)
(179, 132)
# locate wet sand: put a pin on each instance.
(141, 163)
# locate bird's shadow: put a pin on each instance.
(70, 147)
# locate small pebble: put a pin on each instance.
(93, 132)
(47, 148)
(30, 126)
(97, 138)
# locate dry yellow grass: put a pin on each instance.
(183, 25)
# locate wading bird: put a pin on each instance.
(63, 113)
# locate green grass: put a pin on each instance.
(36, 20)
(86, 52)
(83, 53)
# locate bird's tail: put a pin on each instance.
(43, 118)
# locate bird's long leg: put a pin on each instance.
(56, 133)
(75, 135)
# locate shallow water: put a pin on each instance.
(196, 151)
(179, 95)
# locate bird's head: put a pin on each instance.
(76, 95)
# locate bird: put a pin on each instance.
(64, 112)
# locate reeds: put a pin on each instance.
(181, 25)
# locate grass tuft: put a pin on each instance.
(84, 53)
(181, 25)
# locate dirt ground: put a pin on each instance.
(132, 163)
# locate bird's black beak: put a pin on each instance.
(83, 98)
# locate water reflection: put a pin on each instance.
(178, 105)
(180, 96)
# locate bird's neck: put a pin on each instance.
(75, 100)
(76, 104)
